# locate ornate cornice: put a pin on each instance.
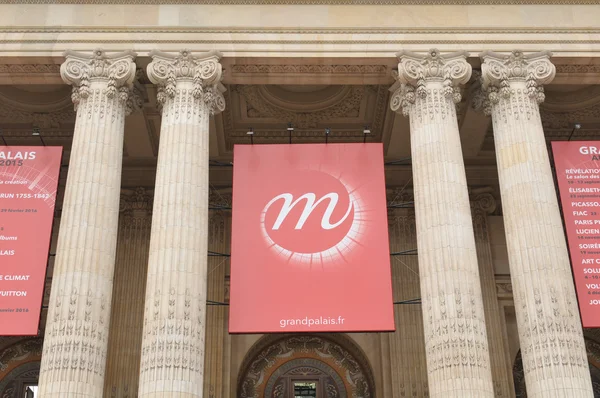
(571, 68)
(203, 70)
(296, 30)
(43, 120)
(309, 69)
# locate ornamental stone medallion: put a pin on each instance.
(335, 360)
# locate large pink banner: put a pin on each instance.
(578, 172)
(310, 247)
(28, 182)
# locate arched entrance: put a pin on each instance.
(321, 366)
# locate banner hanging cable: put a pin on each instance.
(36, 133)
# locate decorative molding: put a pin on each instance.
(136, 202)
(310, 69)
(314, 368)
(292, 30)
(260, 107)
(571, 68)
(19, 352)
(349, 105)
(11, 385)
(504, 287)
(51, 120)
(29, 68)
(337, 351)
(498, 71)
(310, 2)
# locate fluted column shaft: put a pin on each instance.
(550, 333)
(172, 361)
(75, 343)
(458, 361)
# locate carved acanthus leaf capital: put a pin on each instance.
(203, 70)
(416, 70)
(116, 70)
(499, 71)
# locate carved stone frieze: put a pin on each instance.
(259, 367)
(43, 120)
(309, 69)
(346, 110)
(568, 68)
(504, 287)
(20, 351)
(30, 68)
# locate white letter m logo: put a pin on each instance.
(309, 207)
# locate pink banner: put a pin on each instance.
(578, 172)
(310, 247)
(28, 182)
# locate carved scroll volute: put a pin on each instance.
(204, 71)
(116, 71)
(416, 70)
(499, 70)
(482, 205)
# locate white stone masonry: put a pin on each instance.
(458, 361)
(172, 363)
(550, 333)
(75, 343)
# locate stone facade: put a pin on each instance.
(133, 308)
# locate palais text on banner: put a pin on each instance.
(28, 182)
(578, 173)
(310, 249)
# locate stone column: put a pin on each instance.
(218, 242)
(458, 361)
(483, 203)
(75, 342)
(407, 360)
(172, 363)
(127, 315)
(550, 333)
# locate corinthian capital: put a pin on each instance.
(116, 70)
(416, 70)
(498, 71)
(203, 71)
